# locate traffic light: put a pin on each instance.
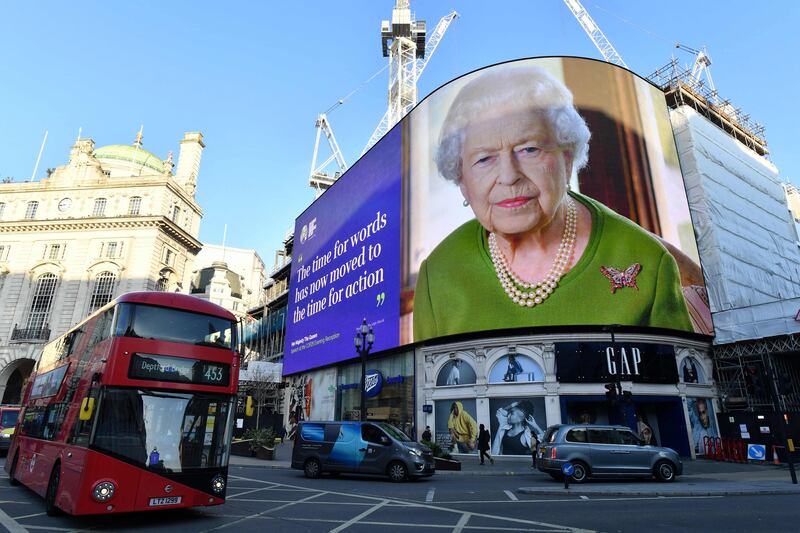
(754, 380)
(611, 392)
(627, 397)
(784, 382)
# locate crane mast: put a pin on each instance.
(403, 42)
(595, 33)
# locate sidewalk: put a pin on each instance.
(700, 478)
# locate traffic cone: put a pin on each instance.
(775, 459)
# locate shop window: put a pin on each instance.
(691, 371)
(456, 372)
(514, 367)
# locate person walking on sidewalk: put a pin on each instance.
(426, 435)
(484, 440)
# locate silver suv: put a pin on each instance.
(604, 451)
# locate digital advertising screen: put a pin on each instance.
(537, 192)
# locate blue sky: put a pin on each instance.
(252, 76)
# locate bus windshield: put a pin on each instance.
(175, 325)
(165, 431)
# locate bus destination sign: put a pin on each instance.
(178, 369)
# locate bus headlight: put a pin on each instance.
(218, 484)
(103, 491)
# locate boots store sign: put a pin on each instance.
(599, 362)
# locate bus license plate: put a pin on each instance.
(171, 500)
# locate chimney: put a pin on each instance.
(189, 161)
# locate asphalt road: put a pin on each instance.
(283, 500)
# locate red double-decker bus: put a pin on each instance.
(132, 409)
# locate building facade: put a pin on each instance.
(231, 277)
(111, 220)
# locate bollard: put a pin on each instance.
(567, 469)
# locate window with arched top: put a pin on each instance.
(43, 294)
(30, 211)
(161, 284)
(99, 207)
(103, 290)
(691, 371)
(134, 205)
(455, 372)
(514, 367)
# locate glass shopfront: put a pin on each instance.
(390, 391)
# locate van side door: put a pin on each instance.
(377, 449)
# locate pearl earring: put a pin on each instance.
(466, 203)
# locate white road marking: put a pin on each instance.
(10, 524)
(268, 511)
(28, 516)
(429, 496)
(435, 507)
(584, 497)
(461, 523)
(511, 496)
(355, 519)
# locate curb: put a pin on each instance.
(723, 492)
(475, 473)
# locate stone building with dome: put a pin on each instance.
(113, 219)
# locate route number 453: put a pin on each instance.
(213, 373)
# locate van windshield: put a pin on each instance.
(395, 433)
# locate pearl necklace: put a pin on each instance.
(534, 293)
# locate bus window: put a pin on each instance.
(33, 422)
(174, 325)
(164, 431)
(53, 418)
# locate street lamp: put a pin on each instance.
(363, 340)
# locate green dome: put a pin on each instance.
(137, 156)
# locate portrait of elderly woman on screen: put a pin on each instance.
(536, 253)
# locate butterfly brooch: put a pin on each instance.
(622, 278)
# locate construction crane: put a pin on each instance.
(403, 42)
(595, 33)
(701, 66)
(318, 178)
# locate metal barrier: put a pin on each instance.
(726, 449)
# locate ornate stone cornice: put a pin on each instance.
(90, 224)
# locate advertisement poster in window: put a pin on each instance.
(703, 422)
(516, 424)
(456, 428)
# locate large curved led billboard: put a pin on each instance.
(538, 192)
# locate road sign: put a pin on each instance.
(567, 469)
(757, 452)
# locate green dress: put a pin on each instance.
(458, 291)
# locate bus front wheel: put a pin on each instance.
(50, 506)
(12, 474)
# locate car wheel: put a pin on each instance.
(50, 506)
(12, 474)
(397, 472)
(312, 469)
(665, 471)
(557, 477)
(580, 472)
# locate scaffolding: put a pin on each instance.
(765, 357)
(681, 87)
